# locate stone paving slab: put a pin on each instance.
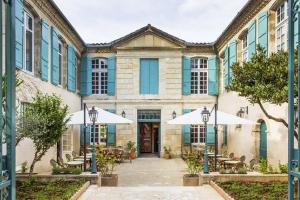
(204, 192)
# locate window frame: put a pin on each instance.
(283, 26)
(199, 70)
(24, 29)
(100, 140)
(245, 48)
(200, 134)
(61, 60)
(100, 71)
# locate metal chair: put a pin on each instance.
(74, 154)
(252, 164)
(231, 155)
(53, 163)
(61, 162)
(68, 157)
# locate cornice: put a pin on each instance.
(251, 9)
(58, 21)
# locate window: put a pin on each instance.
(99, 76)
(100, 134)
(67, 141)
(28, 36)
(197, 134)
(60, 62)
(245, 48)
(281, 27)
(199, 74)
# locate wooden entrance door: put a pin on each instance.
(146, 137)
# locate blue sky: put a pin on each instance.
(190, 20)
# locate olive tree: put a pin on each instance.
(264, 79)
(44, 121)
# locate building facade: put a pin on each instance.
(150, 76)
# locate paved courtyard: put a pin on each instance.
(151, 179)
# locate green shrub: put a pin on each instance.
(283, 168)
(263, 166)
(242, 170)
(69, 170)
(193, 164)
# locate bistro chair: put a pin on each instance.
(252, 164)
(231, 155)
(68, 157)
(53, 163)
(74, 154)
(61, 162)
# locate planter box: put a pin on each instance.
(109, 181)
(190, 180)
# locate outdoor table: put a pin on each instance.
(223, 159)
(75, 163)
(213, 155)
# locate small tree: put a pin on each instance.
(44, 122)
(264, 79)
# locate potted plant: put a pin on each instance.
(167, 152)
(194, 166)
(106, 163)
(131, 150)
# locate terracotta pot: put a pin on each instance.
(132, 155)
(167, 156)
(109, 181)
(189, 180)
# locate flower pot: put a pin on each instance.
(132, 155)
(109, 181)
(167, 156)
(190, 180)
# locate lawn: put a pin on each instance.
(256, 190)
(59, 190)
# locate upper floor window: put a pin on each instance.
(60, 61)
(281, 27)
(99, 76)
(28, 31)
(199, 76)
(245, 48)
(281, 13)
(197, 134)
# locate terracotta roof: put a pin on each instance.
(144, 29)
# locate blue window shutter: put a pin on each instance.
(19, 33)
(186, 130)
(85, 76)
(210, 135)
(71, 69)
(144, 76)
(111, 131)
(154, 76)
(226, 67)
(213, 76)
(225, 134)
(44, 50)
(88, 135)
(232, 59)
(111, 79)
(252, 39)
(186, 75)
(263, 30)
(54, 58)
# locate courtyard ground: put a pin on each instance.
(151, 179)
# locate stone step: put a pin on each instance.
(204, 192)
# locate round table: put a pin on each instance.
(75, 163)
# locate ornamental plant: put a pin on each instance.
(106, 162)
(44, 121)
(264, 79)
(193, 164)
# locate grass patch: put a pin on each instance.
(59, 190)
(256, 190)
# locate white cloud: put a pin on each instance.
(191, 20)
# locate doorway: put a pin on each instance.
(263, 141)
(149, 138)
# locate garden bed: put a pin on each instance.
(60, 190)
(255, 190)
